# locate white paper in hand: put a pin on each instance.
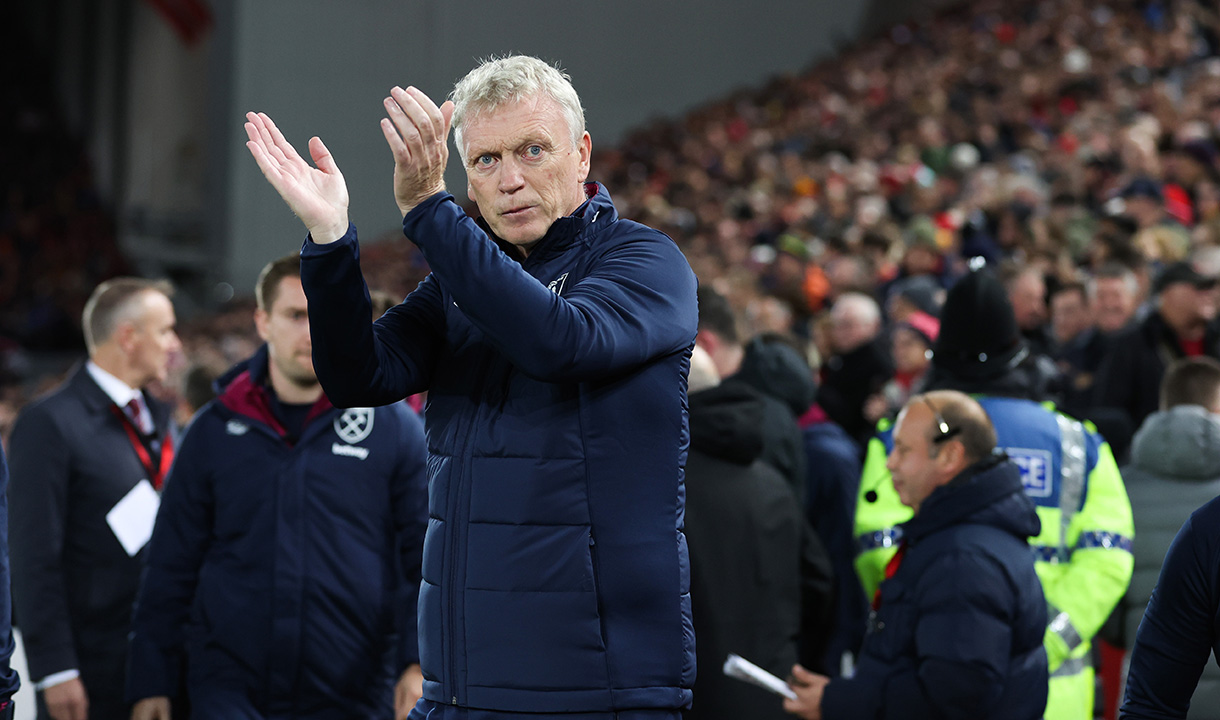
(738, 667)
(132, 518)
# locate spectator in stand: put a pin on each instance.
(1026, 287)
(757, 586)
(1159, 234)
(859, 366)
(914, 294)
(1174, 469)
(1077, 345)
(912, 341)
(1114, 295)
(1183, 324)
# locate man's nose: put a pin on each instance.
(511, 178)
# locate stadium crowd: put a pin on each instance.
(1073, 146)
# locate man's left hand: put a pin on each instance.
(808, 687)
(417, 132)
(408, 691)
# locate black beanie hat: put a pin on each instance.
(979, 338)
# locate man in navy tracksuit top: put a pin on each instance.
(554, 340)
(284, 567)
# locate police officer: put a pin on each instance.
(1083, 554)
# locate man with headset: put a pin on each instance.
(1083, 554)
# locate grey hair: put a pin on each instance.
(497, 81)
(115, 302)
(1113, 271)
(857, 305)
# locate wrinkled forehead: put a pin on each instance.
(517, 115)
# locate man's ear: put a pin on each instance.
(954, 453)
(945, 458)
(124, 335)
(585, 149)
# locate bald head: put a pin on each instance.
(937, 436)
(967, 419)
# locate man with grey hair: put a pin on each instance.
(86, 463)
(1114, 293)
(859, 365)
(553, 339)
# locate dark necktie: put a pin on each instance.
(140, 416)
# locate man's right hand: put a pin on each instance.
(153, 708)
(67, 700)
(318, 195)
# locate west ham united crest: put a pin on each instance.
(354, 424)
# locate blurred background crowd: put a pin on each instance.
(1073, 144)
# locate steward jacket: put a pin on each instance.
(555, 575)
(958, 632)
(1083, 553)
(285, 573)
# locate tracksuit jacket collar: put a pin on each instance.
(564, 231)
(243, 390)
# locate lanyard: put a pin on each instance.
(156, 474)
(891, 567)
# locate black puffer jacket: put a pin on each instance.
(757, 585)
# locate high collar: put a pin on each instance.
(244, 391)
(986, 493)
(598, 207)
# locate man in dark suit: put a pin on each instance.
(9, 682)
(86, 462)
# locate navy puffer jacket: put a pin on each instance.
(555, 568)
(958, 633)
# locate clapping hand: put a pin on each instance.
(318, 195)
(416, 131)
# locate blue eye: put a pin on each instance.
(485, 160)
(533, 151)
